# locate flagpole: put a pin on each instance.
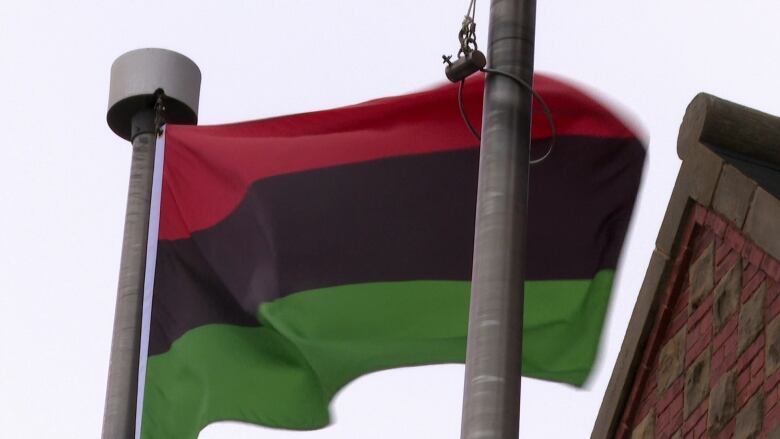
(491, 399)
(138, 78)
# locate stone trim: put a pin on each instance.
(704, 179)
(733, 195)
(695, 182)
(762, 225)
(630, 352)
(715, 121)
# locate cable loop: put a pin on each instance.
(463, 112)
(545, 110)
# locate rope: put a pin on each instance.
(159, 111)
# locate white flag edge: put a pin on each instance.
(151, 262)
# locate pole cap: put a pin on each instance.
(138, 74)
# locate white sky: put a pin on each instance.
(63, 174)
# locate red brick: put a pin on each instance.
(727, 264)
(746, 249)
(757, 365)
(694, 417)
(754, 254)
(748, 271)
(674, 390)
(669, 319)
(676, 323)
(682, 260)
(643, 411)
(694, 351)
(751, 286)
(701, 427)
(669, 421)
(770, 398)
(699, 214)
(652, 377)
(681, 302)
(661, 332)
(660, 317)
(705, 322)
(703, 239)
(774, 306)
(685, 244)
(772, 380)
(684, 285)
(771, 267)
(661, 420)
(717, 357)
(717, 366)
(666, 432)
(676, 406)
(728, 430)
(744, 395)
(728, 330)
(688, 426)
(704, 308)
(772, 418)
(730, 350)
(685, 234)
(743, 380)
(640, 397)
(622, 431)
(646, 398)
(693, 336)
(755, 348)
(676, 421)
(682, 297)
(705, 326)
(734, 239)
(756, 383)
(722, 249)
(716, 223)
(631, 403)
(772, 290)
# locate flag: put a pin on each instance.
(294, 254)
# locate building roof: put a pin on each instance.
(730, 164)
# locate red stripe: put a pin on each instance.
(208, 169)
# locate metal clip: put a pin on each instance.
(464, 66)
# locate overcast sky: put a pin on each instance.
(64, 175)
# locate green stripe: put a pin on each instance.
(313, 343)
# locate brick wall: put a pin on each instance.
(710, 366)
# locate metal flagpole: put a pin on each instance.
(138, 78)
(491, 400)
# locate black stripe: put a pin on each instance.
(404, 218)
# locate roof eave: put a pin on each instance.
(707, 178)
